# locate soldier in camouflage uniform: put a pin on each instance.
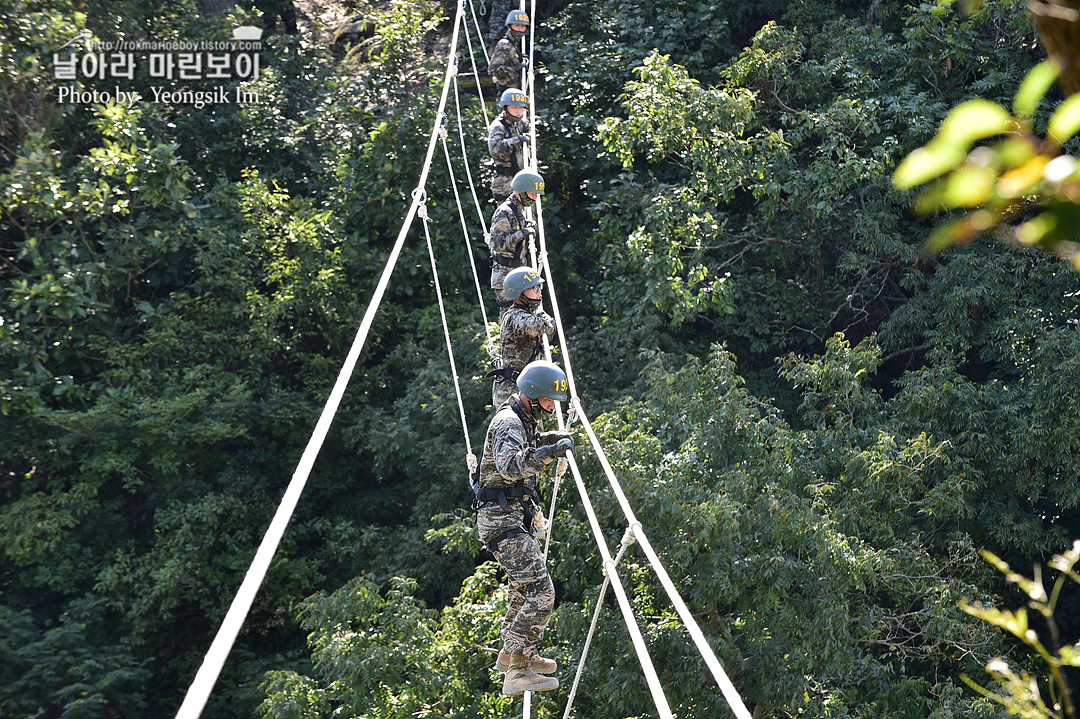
(507, 136)
(510, 230)
(507, 500)
(505, 64)
(521, 331)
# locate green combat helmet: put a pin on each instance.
(513, 97)
(528, 181)
(520, 279)
(543, 379)
(517, 17)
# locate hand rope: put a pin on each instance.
(446, 328)
(479, 32)
(465, 232)
(465, 161)
(476, 73)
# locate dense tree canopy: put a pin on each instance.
(818, 426)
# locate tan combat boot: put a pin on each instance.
(540, 665)
(521, 677)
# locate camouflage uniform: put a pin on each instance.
(505, 64)
(506, 241)
(508, 459)
(520, 342)
(509, 156)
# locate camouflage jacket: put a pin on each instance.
(507, 155)
(520, 335)
(510, 448)
(507, 234)
(505, 64)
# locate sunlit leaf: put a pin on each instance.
(1065, 121)
(926, 163)
(957, 232)
(1034, 87)
(969, 186)
(1022, 180)
(974, 120)
(1038, 229)
(1070, 655)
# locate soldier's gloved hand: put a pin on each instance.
(529, 230)
(516, 140)
(553, 437)
(524, 138)
(560, 448)
(524, 63)
(550, 451)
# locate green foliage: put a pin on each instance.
(384, 654)
(1002, 181)
(178, 287)
(1023, 697)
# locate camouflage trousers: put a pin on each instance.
(501, 390)
(531, 593)
(501, 187)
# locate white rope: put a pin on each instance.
(465, 161)
(476, 74)
(730, 693)
(655, 688)
(465, 232)
(627, 540)
(722, 680)
(560, 471)
(527, 705)
(446, 329)
(479, 33)
(203, 684)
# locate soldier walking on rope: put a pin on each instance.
(507, 499)
(521, 331)
(507, 136)
(510, 230)
(506, 63)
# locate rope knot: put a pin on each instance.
(571, 416)
(629, 537)
(470, 460)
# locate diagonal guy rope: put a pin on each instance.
(465, 232)
(203, 684)
(470, 457)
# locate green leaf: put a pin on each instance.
(1034, 87)
(1070, 655)
(974, 120)
(1065, 122)
(926, 163)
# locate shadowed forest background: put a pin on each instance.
(818, 426)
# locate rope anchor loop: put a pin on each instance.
(419, 195)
